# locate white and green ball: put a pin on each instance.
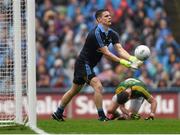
(142, 52)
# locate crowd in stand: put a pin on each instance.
(62, 27)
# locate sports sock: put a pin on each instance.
(60, 110)
(101, 113)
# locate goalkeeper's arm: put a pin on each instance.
(113, 57)
(123, 53)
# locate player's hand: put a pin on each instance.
(135, 63)
(150, 117)
(125, 63)
(135, 116)
(133, 59)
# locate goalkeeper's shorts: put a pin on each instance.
(83, 73)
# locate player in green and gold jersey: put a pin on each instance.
(135, 91)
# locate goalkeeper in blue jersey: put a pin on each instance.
(135, 91)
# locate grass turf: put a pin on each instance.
(18, 129)
(160, 126)
(85, 126)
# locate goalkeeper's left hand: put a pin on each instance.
(135, 62)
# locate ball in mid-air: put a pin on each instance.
(142, 52)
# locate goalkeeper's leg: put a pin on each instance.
(58, 114)
(98, 98)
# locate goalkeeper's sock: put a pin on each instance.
(101, 113)
(60, 110)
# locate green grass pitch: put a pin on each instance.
(159, 126)
(19, 129)
(89, 126)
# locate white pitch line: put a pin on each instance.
(39, 131)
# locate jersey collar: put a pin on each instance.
(100, 26)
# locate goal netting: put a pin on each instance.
(16, 55)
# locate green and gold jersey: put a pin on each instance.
(138, 88)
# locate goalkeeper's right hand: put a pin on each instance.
(133, 65)
(125, 63)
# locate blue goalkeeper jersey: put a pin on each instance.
(97, 38)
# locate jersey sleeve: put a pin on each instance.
(120, 88)
(142, 90)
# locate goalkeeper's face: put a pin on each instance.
(105, 18)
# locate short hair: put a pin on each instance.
(122, 97)
(99, 13)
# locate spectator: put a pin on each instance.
(58, 76)
(176, 80)
(62, 26)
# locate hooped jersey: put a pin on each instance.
(138, 88)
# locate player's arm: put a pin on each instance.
(123, 53)
(113, 57)
(108, 54)
(153, 103)
(124, 110)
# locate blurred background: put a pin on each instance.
(61, 30)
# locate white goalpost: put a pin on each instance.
(17, 62)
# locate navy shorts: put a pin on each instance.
(83, 73)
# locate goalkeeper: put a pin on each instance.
(95, 47)
(135, 91)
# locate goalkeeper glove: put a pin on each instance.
(125, 63)
(135, 62)
(133, 59)
(128, 64)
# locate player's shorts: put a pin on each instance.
(83, 73)
(135, 104)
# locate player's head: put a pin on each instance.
(103, 16)
(122, 97)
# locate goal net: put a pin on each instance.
(16, 55)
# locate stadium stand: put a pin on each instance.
(62, 26)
